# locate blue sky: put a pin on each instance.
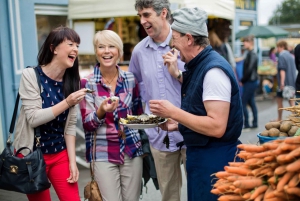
(266, 9)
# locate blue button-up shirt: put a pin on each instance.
(155, 82)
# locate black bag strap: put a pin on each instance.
(14, 117)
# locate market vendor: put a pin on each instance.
(210, 118)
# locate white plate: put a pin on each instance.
(142, 126)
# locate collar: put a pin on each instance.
(98, 75)
(199, 58)
(150, 42)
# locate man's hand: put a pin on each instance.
(170, 60)
(162, 108)
(170, 125)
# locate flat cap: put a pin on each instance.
(190, 20)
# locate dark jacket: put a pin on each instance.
(191, 97)
(250, 67)
(297, 62)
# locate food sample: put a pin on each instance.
(142, 119)
(89, 90)
(114, 98)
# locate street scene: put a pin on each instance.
(151, 100)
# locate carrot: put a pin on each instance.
(292, 140)
(263, 154)
(252, 162)
(294, 166)
(246, 196)
(270, 145)
(236, 164)
(262, 171)
(248, 183)
(215, 191)
(293, 154)
(284, 158)
(293, 191)
(294, 181)
(269, 193)
(231, 197)
(240, 191)
(269, 158)
(280, 170)
(284, 180)
(223, 174)
(224, 188)
(235, 178)
(244, 155)
(238, 170)
(273, 179)
(260, 197)
(289, 147)
(258, 191)
(251, 147)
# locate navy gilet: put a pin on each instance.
(192, 102)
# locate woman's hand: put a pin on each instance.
(107, 106)
(170, 60)
(76, 97)
(74, 173)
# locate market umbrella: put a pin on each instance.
(262, 32)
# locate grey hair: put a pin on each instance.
(157, 6)
(202, 41)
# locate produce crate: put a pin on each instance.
(263, 139)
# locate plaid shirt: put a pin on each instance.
(110, 147)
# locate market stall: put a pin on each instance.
(89, 16)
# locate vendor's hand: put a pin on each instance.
(109, 106)
(170, 60)
(74, 173)
(162, 108)
(170, 125)
(76, 97)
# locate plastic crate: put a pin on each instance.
(264, 139)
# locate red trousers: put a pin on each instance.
(57, 167)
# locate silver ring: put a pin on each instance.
(78, 99)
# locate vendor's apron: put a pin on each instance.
(202, 162)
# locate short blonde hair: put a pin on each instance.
(109, 37)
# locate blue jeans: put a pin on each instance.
(202, 162)
(248, 98)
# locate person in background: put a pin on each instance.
(297, 63)
(148, 65)
(118, 161)
(52, 109)
(210, 118)
(272, 54)
(249, 82)
(286, 74)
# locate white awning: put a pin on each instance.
(86, 9)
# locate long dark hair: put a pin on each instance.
(71, 77)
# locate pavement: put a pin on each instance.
(267, 110)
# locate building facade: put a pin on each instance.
(246, 15)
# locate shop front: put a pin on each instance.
(88, 17)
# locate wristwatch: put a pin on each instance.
(179, 75)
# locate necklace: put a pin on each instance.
(107, 82)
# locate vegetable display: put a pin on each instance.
(270, 171)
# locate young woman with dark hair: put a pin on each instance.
(51, 109)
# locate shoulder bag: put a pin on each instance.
(91, 190)
(24, 175)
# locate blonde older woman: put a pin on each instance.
(118, 161)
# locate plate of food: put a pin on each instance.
(142, 121)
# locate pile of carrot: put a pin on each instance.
(269, 172)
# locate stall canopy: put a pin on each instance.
(86, 9)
